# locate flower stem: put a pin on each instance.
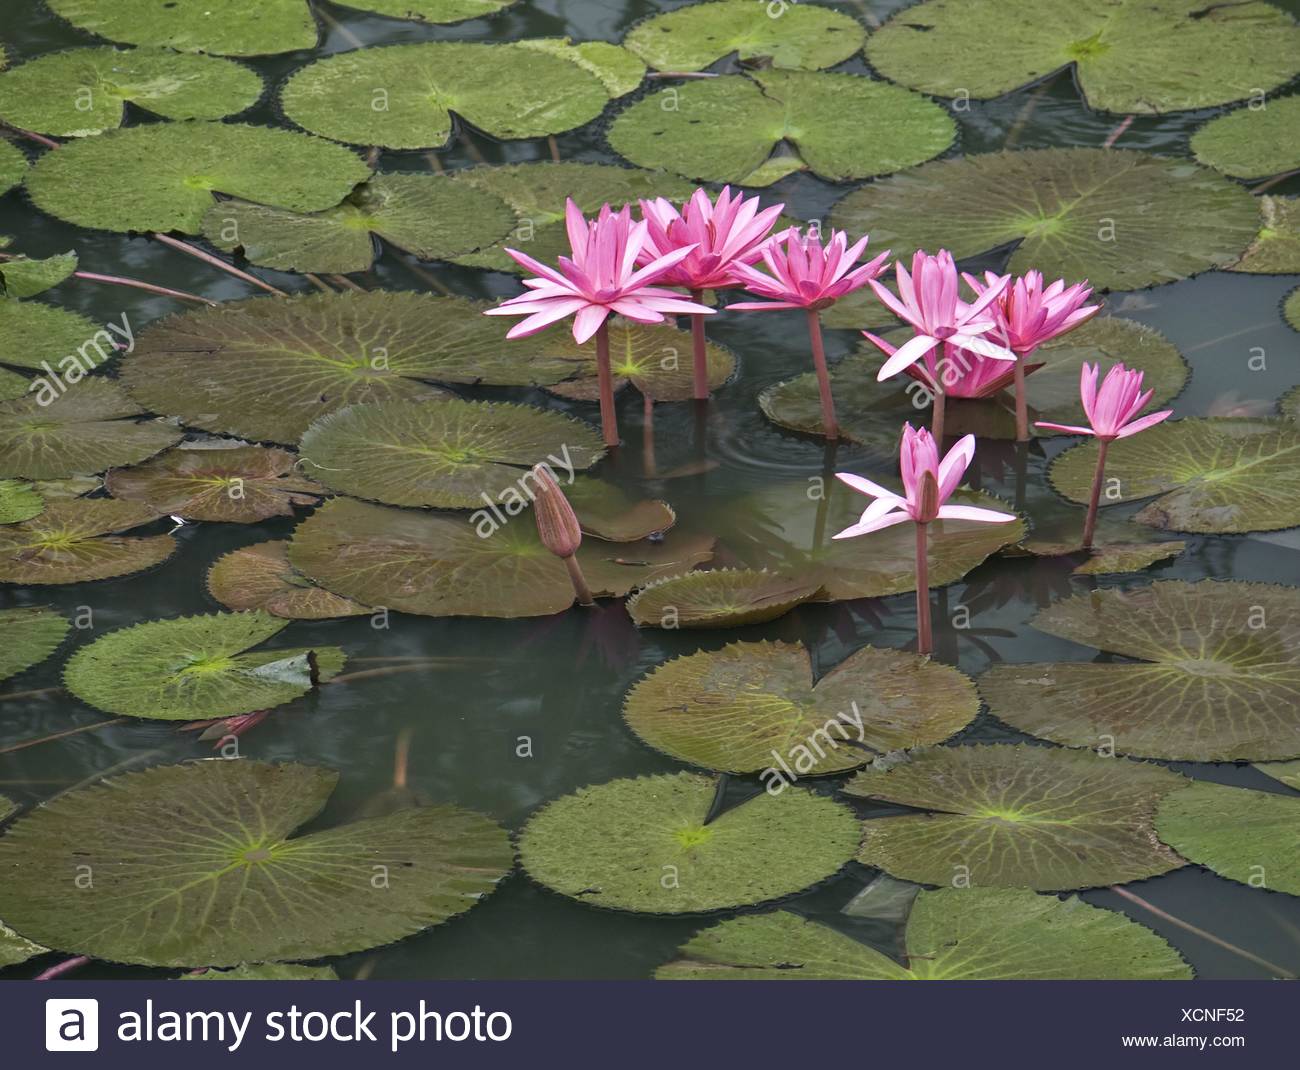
(66, 966)
(1090, 523)
(924, 633)
(940, 404)
(605, 377)
(830, 426)
(701, 353)
(1022, 402)
(579, 581)
(217, 262)
(648, 436)
(148, 287)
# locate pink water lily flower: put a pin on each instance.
(1113, 410)
(962, 374)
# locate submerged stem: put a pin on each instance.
(924, 633)
(1090, 522)
(830, 426)
(216, 262)
(1022, 402)
(649, 467)
(137, 284)
(579, 581)
(605, 378)
(700, 353)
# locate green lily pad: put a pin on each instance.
(162, 176)
(619, 70)
(1218, 680)
(261, 577)
(89, 428)
(1130, 58)
(239, 28)
(192, 668)
(264, 971)
(1121, 219)
(33, 333)
(608, 512)
(1291, 308)
(537, 192)
(443, 565)
(13, 165)
(439, 11)
(12, 385)
(236, 484)
(223, 881)
(861, 310)
(85, 90)
(15, 949)
(1276, 248)
(806, 36)
(641, 844)
(724, 129)
(953, 934)
(28, 634)
(1286, 772)
(411, 90)
(1252, 142)
(1211, 475)
(22, 277)
(1108, 558)
(429, 216)
(75, 541)
(1252, 837)
(1016, 817)
(19, 501)
(449, 454)
(755, 708)
(722, 598)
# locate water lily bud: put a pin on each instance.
(556, 522)
(929, 498)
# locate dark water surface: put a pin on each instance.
(561, 680)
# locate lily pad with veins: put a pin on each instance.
(224, 880)
(32, 332)
(750, 707)
(721, 598)
(75, 541)
(1254, 141)
(23, 277)
(28, 635)
(19, 501)
(1218, 677)
(1276, 248)
(260, 577)
(12, 385)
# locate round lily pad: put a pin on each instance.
(24, 277)
(429, 216)
(162, 176)
(1121, 219)
(85, 90)
(260, 577)
(1144, 59)
(641, 844)
(1276, 248)
(403, 96)
(1016, 817)
(439, 11)
(223, 880)
(28, 634)
(33, 334)
(1252, 142)
(952, 934)
(1211, 475)
(1286, 772)
(236, 28)
(191, 668)
(89, 428)
(484, 565)
(1248, 836)
(608, 512)
(13, 165)
(19, 501)
(724, 129)
(263, 971)
(755, 708)
(239, 484)
(75, 541)
(806, 36)
(1218, 679)
(618, 70)
(265, 368)
(450, 454)
(722, 598)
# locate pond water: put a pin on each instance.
(561, 680)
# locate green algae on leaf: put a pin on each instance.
(1129, 57)
(724, 129)
(1218, 677)
(223, 880)
(449, 454)
(722, 598)
(19, 501)
(952, 934)
(13, 165)
(1276, 248)
(260, 577)
(755, 708)
(33, 334)
(163, 176)
(236, 28)
(75, 541)
(28, 635)
(1016, 816)
(1121, 219)
(84, 91)
(1252, 142)
(22, 277)
(612, 844)
(1252, 837)
(264, 971)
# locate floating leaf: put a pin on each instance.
(755, 708)
(431, 217)
(260, 577)
(85, 90)
(163, 176)
(32, 334)
(440, 11)
(1286, 772)
(19, 501)
(28, 634)
(619, 70)
(1017, 817)
(1252, 142)
(691, 38)
(450, 454)
(1276, 249)
(265, 972)
(1219, 678)
(953, 934)
(723, 598)
(12, 385)
(22, 277)
(1291, 308)
(411, 90)
(85, 430)
(443, 565)
(1248, 836)
(608, 512)
(1106, 558)
(75, 541)
(192, 668)
(1211, 475)
(610, 845)
(13, 165)
(1121, 219)
(15, 949)
(240, 28)
(222, 880)
(724, 129)
(1128, 58)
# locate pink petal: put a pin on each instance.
(972, 512)
(587, 322)
(875, 525)
(1143, 422)
(1065, 427)
(907, 354)
(865, 486)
